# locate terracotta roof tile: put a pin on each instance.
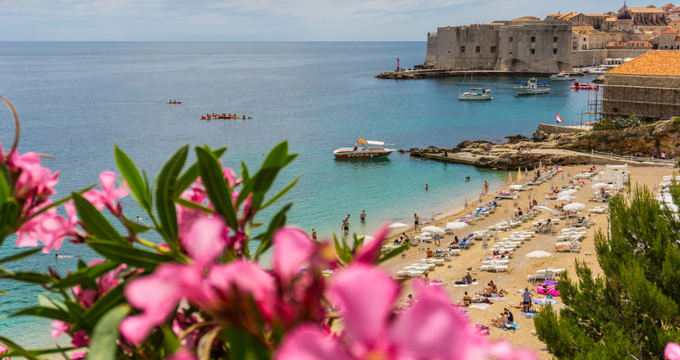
(651, 63)
(669, 31)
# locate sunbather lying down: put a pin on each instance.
(505, 319)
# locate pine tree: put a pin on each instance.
(633, 310)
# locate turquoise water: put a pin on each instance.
(77, 100)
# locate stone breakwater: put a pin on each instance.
(438, 73)
(561, 145)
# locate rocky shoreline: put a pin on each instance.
(560, 145)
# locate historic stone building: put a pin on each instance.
(515, 46)
(647, 86)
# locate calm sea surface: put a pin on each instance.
(77, 99)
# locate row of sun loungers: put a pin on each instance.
(545, 274)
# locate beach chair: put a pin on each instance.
(499, 268)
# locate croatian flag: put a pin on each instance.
(558, 117)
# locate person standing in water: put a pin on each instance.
(362, 216)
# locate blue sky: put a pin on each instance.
(263, 20)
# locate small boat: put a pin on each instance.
(476, 94)
(363, 149)
(174, 102)
(561, 76)
(597, 70)
(586, 86)
(532, 87)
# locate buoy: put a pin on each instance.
(355, 164)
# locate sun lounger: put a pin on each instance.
(500, 268)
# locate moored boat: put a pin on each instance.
(532, 87)
(363, 149)
(585, 86)
(561, 76)
(476, 94)
(174, 102)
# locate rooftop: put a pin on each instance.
(651, 63)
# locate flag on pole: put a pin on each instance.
(558, 117)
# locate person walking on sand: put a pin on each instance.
(416, 222)
(486, 187)
(526, 300)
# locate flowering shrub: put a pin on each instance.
(200, 293)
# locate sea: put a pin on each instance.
(76, 100)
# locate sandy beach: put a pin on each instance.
(514, 280)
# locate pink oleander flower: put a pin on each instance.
(107, 196)
(80, 339)
(48, 227)
(60, 327)
(3, 348)
(431, 329)
(370, 249)
(672, 351)
(34, 182)
(79, 355)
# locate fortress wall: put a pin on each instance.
(536, 47)
(463, 47)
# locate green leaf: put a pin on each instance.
(280, 194)
(277, 222)
(46, 312)
(87, 273)
(193, 206)
(134, 179)
(19, 256)
(188, 178)
(4, 183)
(166, 183)
(130, 255)
(17, 350)
(104, 304)
(134, 226)
(170, 341)
(9, 212)
(94, 221)
(26, 276)
(244, 346)
(392, 253)
(216, 186)
(103, 345)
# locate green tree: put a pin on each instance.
(632, 311)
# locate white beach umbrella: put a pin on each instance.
(566, 198)
(434, 229)
(602, 185)
(515, 187)
(567, 192)
(509, 178)
(544, 208)
(519, 173)
(456, 225)
(538, 254)
(574, 207)
(397, 225)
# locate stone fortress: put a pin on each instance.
(557, 43)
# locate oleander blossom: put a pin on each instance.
(107, 196)
(672, 351)
(430, 329)
(284, 295)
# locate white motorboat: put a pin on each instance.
(561, 76)
(364, 149)
(476, 94)
(532, 87)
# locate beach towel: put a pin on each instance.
(549, 283)
(544, 301)
(542, 290)
(497, 298)
(474, 283)
(529, 314)
(481, 306)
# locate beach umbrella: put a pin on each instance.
(433, 229)
(544, 208)
(509, 178)
(456, 225)
(566, 198)
(538, 254)
(574, 207)
(567, 192)
(602, 185)
(519, 173)
(397, 225)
